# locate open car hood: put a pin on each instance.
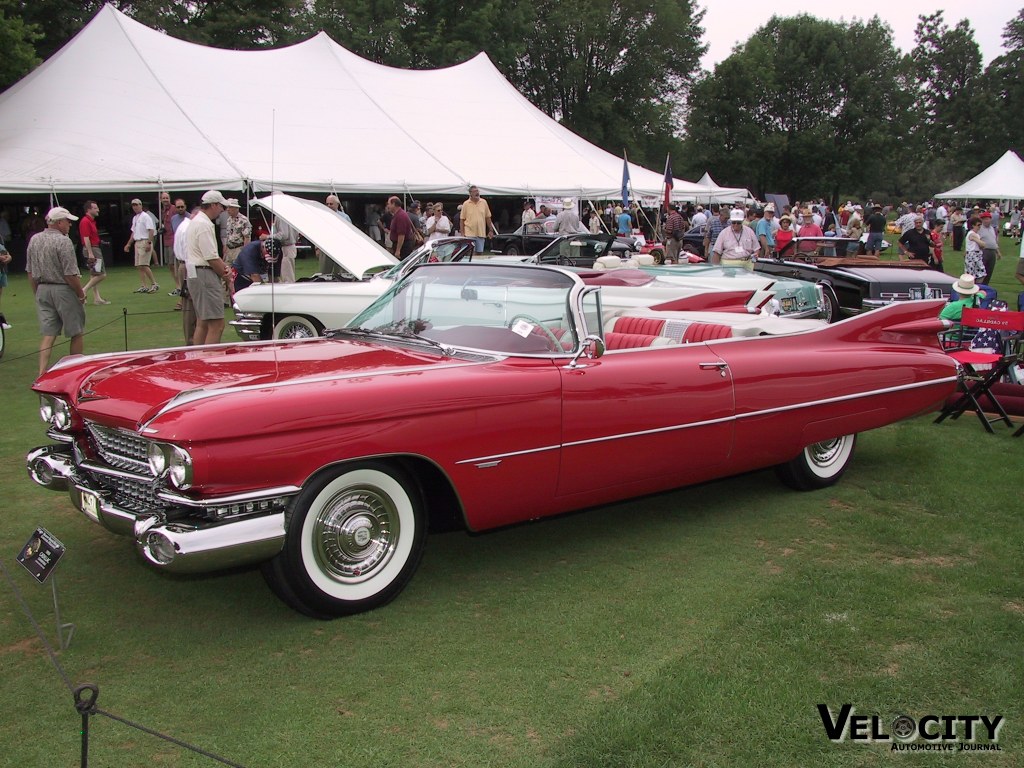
(343, 242)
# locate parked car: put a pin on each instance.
(526, 240)
(306, 309)
(473, 396)
(797, 298)
(855, 284)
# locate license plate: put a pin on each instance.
(91, 505)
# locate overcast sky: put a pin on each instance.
(728, 22)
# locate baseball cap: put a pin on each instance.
(60, 212)
(737, 214)
(213, 196)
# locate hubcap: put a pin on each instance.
(823, 454)
(355, 534)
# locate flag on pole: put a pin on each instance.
(625, 181)
(669, 183)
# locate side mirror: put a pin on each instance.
(593, 348)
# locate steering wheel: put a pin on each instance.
(556, 345)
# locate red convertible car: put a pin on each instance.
(469, 395)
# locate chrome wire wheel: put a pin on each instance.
(819, 465)
(826, 455)
(297, 327)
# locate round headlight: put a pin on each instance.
(157, 459)
(46, 408)
(180, 468)
(61, 414)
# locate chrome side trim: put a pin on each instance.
(237, 498)
(708, 422)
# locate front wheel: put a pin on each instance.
(512, 250)
(819, 465)
(832, 309)
(355, 537)
(297, 327)
(659, 256)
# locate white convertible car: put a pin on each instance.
(306, 308)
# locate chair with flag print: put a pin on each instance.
(980, 369)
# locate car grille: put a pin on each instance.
(125, 451)
(121, 449)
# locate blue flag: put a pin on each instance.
(669, 181)
(625, 182)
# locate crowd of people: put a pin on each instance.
(213, 249)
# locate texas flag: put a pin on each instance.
(669, 183)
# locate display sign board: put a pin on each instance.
(41, 554)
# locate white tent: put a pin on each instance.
(713, 193)
(123, 107)
(1003, 180)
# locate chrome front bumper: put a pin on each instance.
(176, 546)
(248, 324)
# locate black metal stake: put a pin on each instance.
(124, 313)
(85, 702)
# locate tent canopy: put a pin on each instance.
(1003, 180)
(123, 107)
(713, 193)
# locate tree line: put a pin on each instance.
(804, 107)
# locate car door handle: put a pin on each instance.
(720, 366)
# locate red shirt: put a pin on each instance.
(87, 231)
(401, 224)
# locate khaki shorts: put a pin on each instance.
(59, 309)
(143, 253)
(744, 263)
(206, 290)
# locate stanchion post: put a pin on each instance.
(85, 702)
(124, 313)
(62, 642)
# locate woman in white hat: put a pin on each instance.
(970, 295)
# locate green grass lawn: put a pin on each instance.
(700, 627)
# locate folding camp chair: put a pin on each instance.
(978, 370)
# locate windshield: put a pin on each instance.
(505, 309)
(434, 251)
(575, 251)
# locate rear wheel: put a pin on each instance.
(355, 537)
(819, 465)
(832, 310)
(659, 256)
(512, 250)
(297, 327)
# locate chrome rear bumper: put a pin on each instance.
(177, 546)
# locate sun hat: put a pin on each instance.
(232, 203)
(567, 203)
(737, 214)
(785, 217)
(965, 285)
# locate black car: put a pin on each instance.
(581, 250)
(525, 241)
(855, 284)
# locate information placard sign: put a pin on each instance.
(41, 554)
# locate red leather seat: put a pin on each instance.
(616, 340)
(648, 326)
(706, 332)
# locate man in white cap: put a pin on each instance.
(56, 284)
(737, 245)
(237, 231)
(143, 231)
(206, 273)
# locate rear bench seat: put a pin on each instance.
(678, 331)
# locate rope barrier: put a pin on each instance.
(86, 694)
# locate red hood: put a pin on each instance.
(130, 388)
